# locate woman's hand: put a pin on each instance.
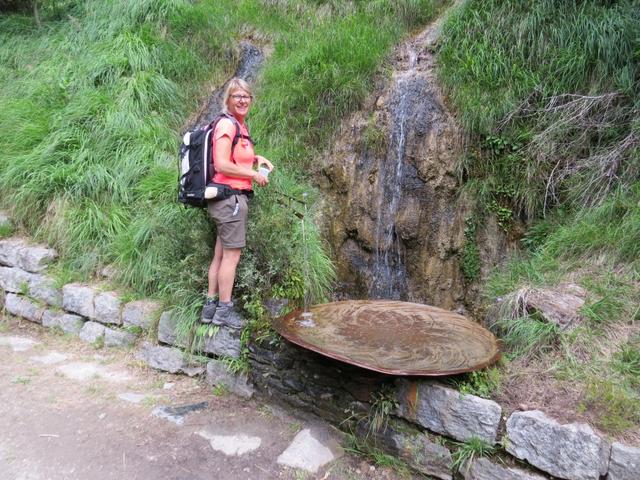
(259, 178)
(260, 160)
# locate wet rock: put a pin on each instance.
(484, 469)
(238, 384)
(67, 322)
(167, 330)
(625, 462)
(119, 338)
(107, 308)
(22, 307)
(225, 342)
(141, 313)
(92, 332)
(79, 299)
(537, 439)
(445, 411)
(275, 306)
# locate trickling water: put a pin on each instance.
(389, 272)
(306, 319)
(392, 213)
(251, 58)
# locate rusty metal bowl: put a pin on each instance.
(397, 338)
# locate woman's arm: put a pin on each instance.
(226, 166)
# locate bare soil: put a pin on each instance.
(54, 427)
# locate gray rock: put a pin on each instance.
(9, 251)
(92, 332)
(445, 411)
(177, 414)
(218, 374)
(5, 221)
(141, 313)
(572, 451)
(484, 469)
(167, 359)
(625, 462)
(43, 288)
(306, 453)
(555, 306)
(67, 322)
(35, 258)
(275, 306)
(14, 279)
(119, 338)
(162, 358)
(107, 308)
(167, 330)
(23, 307)
(226, 341)
(419, 452)
(79, 299)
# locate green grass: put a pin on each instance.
(92, 104)
(549, 92)
(467, 451)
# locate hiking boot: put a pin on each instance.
(208, 311)
(227, 316)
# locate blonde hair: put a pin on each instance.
(233, 85)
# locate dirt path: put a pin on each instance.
(71, 412)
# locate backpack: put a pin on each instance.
(195, 164)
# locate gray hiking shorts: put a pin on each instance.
(230, 216)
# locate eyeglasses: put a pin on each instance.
(246, 98)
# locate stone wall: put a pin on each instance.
(421, 421)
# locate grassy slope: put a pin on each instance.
(91, 106)
(551, 93)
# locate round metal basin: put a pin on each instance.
(397, 338)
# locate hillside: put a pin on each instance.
(94, 96)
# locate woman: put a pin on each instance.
(234, 169)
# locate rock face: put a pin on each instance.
(625, 463)
(573, 451)
(445, 411)
(390, 190)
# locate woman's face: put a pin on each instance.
(238, 103)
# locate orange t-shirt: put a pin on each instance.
(242, 154)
